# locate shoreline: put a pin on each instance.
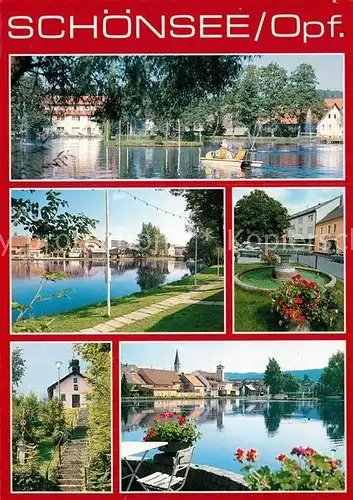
(254, 399)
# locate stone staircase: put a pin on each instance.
(71, 473)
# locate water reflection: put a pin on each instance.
(269, 426)
(86, 279)
(91, 158)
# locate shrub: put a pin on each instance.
(300, 300)
(28, 477)
(171, 428)
(308, 471)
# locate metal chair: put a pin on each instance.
(161, 481)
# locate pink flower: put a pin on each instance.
(299, 451)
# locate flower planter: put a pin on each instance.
(173, 447)
(299, 327)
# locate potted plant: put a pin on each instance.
(300, 303)
(180, 432)
(305, 470)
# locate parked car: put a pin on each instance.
(250, 251)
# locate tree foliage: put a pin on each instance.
(259, 217)
(207, 249)
(50, 222)
(206, 208)
(18, 368)
(290, 383)
(273, 377)
(151, 241)
(98, 359)
(331, 382)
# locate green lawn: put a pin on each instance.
(193, 318)
(252, 308)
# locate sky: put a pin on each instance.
(126, 213)
(236, 356)
(329, 68)
(294, 200)
(40, 358)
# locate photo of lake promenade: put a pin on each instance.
(117, 260)
(125, 117)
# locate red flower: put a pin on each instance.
(145, 438)
(181, 420)
(282, 457)
(297, 277)
(334, 463)
(301, 319)
(252, 455)
(152, 432)
(281, 301)
(298, 300)
(309, 452)
(240, 455)
(299, 451)
(162, 415)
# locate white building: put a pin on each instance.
(76, 119)
(302, 228)
(331, 126)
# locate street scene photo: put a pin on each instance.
(177, 117)
(233, 416)
(61, 416)
(289, 259)
(117, 260)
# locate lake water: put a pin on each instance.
(91, 159)
(271, 427)
(86, 279)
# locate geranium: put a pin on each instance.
(170, 428)
(300, 300)
(308, 471)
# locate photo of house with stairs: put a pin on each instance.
(61, 441)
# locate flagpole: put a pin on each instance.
(107, 244)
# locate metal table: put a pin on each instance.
(129, 448)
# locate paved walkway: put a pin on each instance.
(193, 297)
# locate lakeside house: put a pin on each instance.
(330, 232)
(331, 126)
(303, 223)
(76, 118)
(25, 246)
(174, 383)
(73, 387)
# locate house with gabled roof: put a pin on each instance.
(72, 388)
(191, 383)
(331, 126)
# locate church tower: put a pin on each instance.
(177, 362)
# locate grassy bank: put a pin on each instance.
(265, 139)
(252, 308)
(181, 318)
(147, 142)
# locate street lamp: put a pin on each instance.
(195, 268)
(58, 365)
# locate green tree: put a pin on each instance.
(290, 383)
(331, 381)
(259, 217)
(150, 277)
(245, 100)
(273, 377)
(51, 222)
(272, 84)
(125, 388)
(18, 368)
(302, 95)
(206, 210)
(151, 241)
(98, 359)
(207, 249)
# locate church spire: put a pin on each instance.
(177, 362)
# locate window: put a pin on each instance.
(310, 230)
(75, 380)
(334, 116)
(63, 397)
(334, 228)
(329, 127)
(311, 217)
(75, 387)
(329, 229)
(300, 220)
(60, 129)
(329, 115)
(76, 118)
(321, 230)
(300, 231)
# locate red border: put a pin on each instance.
(307, 10)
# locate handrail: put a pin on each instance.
(63, 438)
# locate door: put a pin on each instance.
(76, 403)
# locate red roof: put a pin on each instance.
(20, 241)
(331, 101)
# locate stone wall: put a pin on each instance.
(200, 477)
